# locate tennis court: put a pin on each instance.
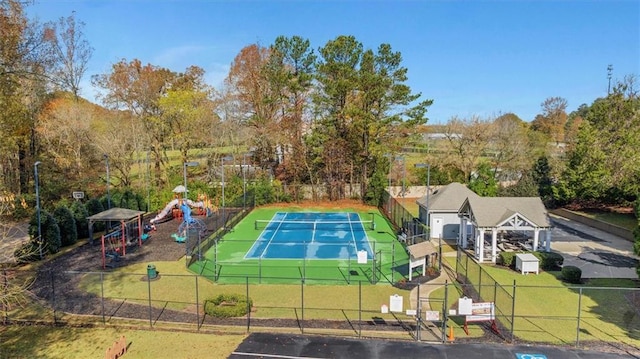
(287, 245)
(332, 235)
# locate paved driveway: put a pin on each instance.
(598, 254)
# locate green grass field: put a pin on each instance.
(225, 261)
(547, 310)
(624, 220)
(53, 343)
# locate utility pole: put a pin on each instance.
(609, 73)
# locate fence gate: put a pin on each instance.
(430, 319)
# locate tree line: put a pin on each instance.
(330, 116)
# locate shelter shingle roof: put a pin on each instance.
(492, 211)
(448, 198)
(115, 214)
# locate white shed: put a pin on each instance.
(527, 263)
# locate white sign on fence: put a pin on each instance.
(395, 303)
(362, 257)
(464, 306)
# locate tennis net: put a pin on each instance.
(314, 225)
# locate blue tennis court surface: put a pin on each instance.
(305, 235)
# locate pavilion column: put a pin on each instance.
(463, 233)
(480, 245)
(536, 235)
(547, 241)
(494, 244)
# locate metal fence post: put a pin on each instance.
(479, 282)
(197, 304)
(513, 312)
(104, 321)
(578, 324)
(393, 258)
(53, 297)
(419, 321)
(445, 316)
(149, 290)
(248, 305)
(359, 309)
(302, 306)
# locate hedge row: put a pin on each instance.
(227, 305)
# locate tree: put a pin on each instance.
(553, 119)
(67, 225)
(290, 71)
(602, 163)
(50, 240)
(80, 215)
(67, 132)
(25, 61)
(186, 112)
(525, 187)
(137, 89)
(466, 142)
(71, 52)
(364, 106)
(254, 98)
(483, 181)
(510, 148)
(542, 177)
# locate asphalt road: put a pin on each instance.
(281, 346)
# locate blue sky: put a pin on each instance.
(472, 58)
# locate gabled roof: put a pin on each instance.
(493, 211)
(421, 249)
(115, 214)
(448, 198)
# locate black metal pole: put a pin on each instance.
(150, 314)
(102, 296)
(53, 296)
(248, 306)
(359, 309)
(197, 303)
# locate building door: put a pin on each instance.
(436, 230)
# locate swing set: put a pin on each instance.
(128, 233)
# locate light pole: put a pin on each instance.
(106, 158)
(148, 181)
(390, 158)
(223, 206)
(244, 181)
(404, 176)
(35, 170)
(184, 171)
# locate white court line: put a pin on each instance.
(273, 235)
(272, 356)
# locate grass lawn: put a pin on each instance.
(177, 291)
(624, 220)
(546, 308)
(52, 343)
(410, 205)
